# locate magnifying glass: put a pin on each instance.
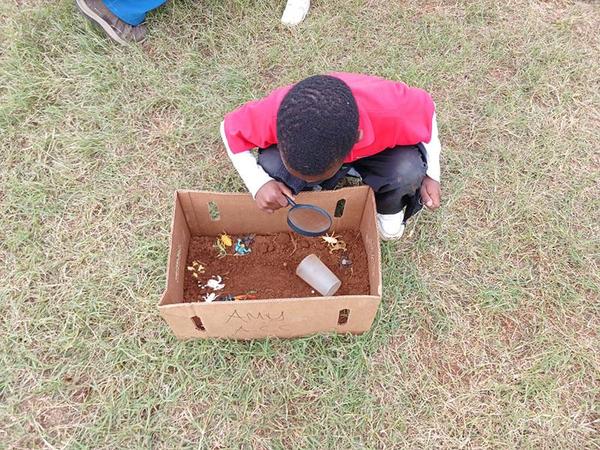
(308, 220)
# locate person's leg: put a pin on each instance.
(396, 176)
(121, 20)
(270, 160)
(132, 12)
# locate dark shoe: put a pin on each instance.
(117, 30)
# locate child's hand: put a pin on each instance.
(431, 193)
(272, 196)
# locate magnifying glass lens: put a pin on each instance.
(310, 220)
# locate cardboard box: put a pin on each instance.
(195, 214)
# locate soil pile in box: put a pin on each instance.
(269, 270)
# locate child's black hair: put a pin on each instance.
(317, 124)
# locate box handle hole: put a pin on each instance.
(198, 323)
(343, 316)
(213, 211)
(339, 207)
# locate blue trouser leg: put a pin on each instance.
(132, 12)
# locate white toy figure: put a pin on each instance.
(214, 283)
(208, 298)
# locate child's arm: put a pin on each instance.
(250, 126)
(430, 189)
(253, 175)
(268, 193)
(433, 149)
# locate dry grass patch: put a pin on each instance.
(487, 335)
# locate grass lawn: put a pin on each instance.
(487, 335)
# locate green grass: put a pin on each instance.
(488, 331)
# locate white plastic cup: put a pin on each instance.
(312, 270)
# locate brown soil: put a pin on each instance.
(270, 269)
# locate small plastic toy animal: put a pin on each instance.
(214, 283)
(334, 243)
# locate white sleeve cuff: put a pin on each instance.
(432, 152)
(253, 175)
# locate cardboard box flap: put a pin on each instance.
(370, 237)
(263, 318)
(178, 249)
(210, 213)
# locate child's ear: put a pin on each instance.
(359, 135)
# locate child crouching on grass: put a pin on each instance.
(327, 126)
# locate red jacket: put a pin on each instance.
(390, 114)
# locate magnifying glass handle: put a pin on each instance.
(290, 201)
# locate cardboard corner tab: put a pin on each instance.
(208, 213)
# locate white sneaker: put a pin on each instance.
(390, 226)
(295, 12)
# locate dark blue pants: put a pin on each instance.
(132, 12)
(395, 175)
